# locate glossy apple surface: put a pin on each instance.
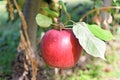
(60, 48)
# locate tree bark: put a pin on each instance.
(30, 10)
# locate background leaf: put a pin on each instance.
(100, 33)
(50, 12)
(91, 44)
(43, 21)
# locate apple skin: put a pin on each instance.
(60, 48)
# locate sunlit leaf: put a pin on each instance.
(91, 44)
(100, 33)
(43, 21)
(50, 12)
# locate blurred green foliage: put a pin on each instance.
(78, 8)
(9, 39)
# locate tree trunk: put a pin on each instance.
(30, 11)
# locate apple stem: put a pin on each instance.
(61, 26)
(59, 21)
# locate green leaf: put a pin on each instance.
(50, 12)
(43, 21)
(91, 44)
(100, 33)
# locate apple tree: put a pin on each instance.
(62, 44)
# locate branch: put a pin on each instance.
(23, 22)
(10, 9)
(98, 9)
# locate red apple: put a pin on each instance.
(60, 48)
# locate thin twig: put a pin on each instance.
(97, 9)
(25, 65)
(26, 43)
(10, 8)
(28, 55)
(23, 22)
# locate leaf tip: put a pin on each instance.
(103, 58)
